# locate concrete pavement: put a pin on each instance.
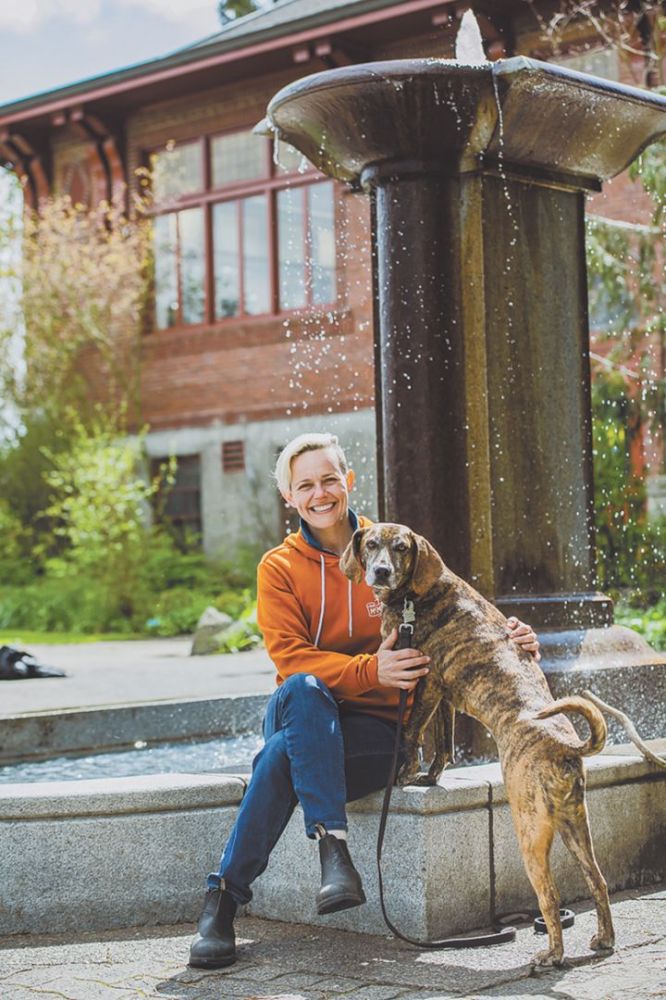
(136, 671)
(294, 962)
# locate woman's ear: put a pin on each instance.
(428, 566)
(287, 496)
(350, 560)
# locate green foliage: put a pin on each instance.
(650, 169)
(631, 552)
(177, 611)
(14, 547)
(102, 566)
(83, 282)
(243, 634)
(650, 622)
(25, 637)
(23, 487)
(52, 604)
(627, 304)
(99, 500)
(230, 10)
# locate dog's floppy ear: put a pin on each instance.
(428, 566)
(350, 561)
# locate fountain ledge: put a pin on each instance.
(125, 852)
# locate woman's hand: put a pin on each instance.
(400, 668)
(523, 636)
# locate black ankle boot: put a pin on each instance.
(215, 944)
(340, 882)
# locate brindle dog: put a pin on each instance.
(476, 669)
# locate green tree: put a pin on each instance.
(627, 286)
(230, 10)
(84, 278)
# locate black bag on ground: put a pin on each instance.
(17, 665)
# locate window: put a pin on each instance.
(236, 234)
(179, 505)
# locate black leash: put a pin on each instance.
(500, 933)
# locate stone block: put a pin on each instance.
(117, 853)
(627, 809)
(436, 852)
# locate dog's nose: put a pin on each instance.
(382, 572)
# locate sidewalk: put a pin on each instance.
(290, 962)
(143, 670)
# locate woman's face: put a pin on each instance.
(319, 488)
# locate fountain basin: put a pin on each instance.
(454, 118)
(45, 734)
(124, 852)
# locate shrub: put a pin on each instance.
(243, 634)
(67, 604)
(650, 622)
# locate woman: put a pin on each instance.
(329, 728)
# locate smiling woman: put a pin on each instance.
(330, 726)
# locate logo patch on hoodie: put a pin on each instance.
(374, 609)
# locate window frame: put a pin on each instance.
(270, 184)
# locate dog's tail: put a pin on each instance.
(592, 715)
(628, 727)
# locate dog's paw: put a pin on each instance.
(406, 779)
(547, 959)
(423, 779)
(600, 943)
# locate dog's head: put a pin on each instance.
(391, 557)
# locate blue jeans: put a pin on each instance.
(315, 753)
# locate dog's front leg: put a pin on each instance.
(443, 739)
(426, 703)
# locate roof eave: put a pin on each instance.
(191, 60)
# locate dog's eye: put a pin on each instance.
(370, 544)
(400, 547)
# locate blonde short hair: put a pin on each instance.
(300, 444)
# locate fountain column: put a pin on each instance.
(478, 177)
(484, 376)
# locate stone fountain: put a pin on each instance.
(477, 176)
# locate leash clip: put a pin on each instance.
(406, 628)
(408, 614)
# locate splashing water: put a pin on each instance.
(469, 44)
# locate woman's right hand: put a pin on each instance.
(400, 668)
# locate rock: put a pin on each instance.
(209, 627)
(211, 616)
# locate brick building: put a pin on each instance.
(262, 316)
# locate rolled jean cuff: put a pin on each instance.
(328, 824)
(214, 881)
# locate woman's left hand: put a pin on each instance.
(523, 636)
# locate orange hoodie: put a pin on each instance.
(316, 621)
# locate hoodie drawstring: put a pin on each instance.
(323, 599)
(349, 600)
